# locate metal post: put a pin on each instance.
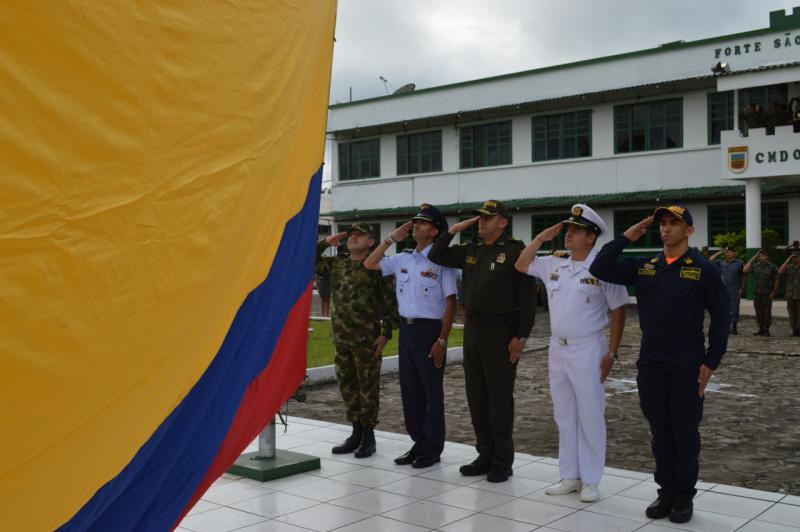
(266, 442)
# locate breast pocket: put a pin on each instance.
(403, 282)
(428, 288)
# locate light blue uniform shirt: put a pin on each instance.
(422, 286)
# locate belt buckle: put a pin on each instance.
(562, 341)
(409, 321)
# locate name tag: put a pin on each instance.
(590, 280)
(690, 273)
(429, 274)
(472, 260)
(646, 272)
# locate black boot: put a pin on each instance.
(796, 332)
(367, 447)
(734, 330)
(351, 443)
(766, 333)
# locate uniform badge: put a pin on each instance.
(429, 274)
(688, 260)
(472, 260)
(654, 260)
(403, 270)
(554, 276)
(501, 258)
(649, 266)
(690, 273)
(576, 211)
(647, 272)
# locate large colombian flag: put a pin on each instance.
(159, 184)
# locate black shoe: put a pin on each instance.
(474, 469)
(681, 512)
(766, 333)
(499, 474)
(405, 459)
(796, 332)
(660, 507)
(734, 330)
(367, 447)
(425, 460)
(351, 443)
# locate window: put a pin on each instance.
(471, 233)
(624, 219)
(359, 159)
(763, 96)
(407, 243)
(486, 145)
(418, 153)
(764, 107)
(720, 115)
(731, 219)
(376, 230)
(562, 136)
(540, 222)
(648, 126)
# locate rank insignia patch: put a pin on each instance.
(690, 273)
(646, 272)
(501, 258)
(554, 276)
(472, 260)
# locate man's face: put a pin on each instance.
(578, 238)
(673, 231)
(796, 260)
(762, 258)
(424, 231)
(491, 225)
(730, 254)
(358, 241)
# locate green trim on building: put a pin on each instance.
(778, 21)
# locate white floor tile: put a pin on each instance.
(285, 482)
(373, 501)
(219, 520)
(746, 492)
(644, 491)
(721, 503)
(454, 456)
(570, 500)
(324, 517)
(470, 498)
(369, 477)
(235, 491)
(484, 523)
(449, 473)
(763, 526)
(710, 522)
(625, 473)
(516, 486)
(619, 506)
(202, 506)
(330, 468)
(290, 442)
(611, 485)
(791, 499)
(428, 514)
(272, 526)
(275, 504)
(419, 488)
(549, 460)
(592, 522)
(534, 512)
(782, 514)
(539, 471)
(382, 524)
(325, 489)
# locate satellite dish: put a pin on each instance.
(405, 89)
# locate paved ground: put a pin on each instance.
(751, 427)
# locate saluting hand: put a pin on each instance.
(437, 354)
(635, 232)
(515, 347)
(379, 344)
(550, 233)
(334, 240)
(703, 378)
(402, 232)
(605, 367)
(460, 226)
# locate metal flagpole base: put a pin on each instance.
(269, 463)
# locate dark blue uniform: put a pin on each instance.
(672, 300)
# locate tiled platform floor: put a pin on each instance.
(374, 494)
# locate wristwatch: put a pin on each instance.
(442, 342)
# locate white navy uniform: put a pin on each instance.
(579, 305)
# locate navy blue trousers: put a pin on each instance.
(421, 386)
(668, 395)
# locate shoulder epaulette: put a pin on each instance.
(562, 254)
(408, 250)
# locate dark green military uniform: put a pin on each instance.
(500, 305)
(763, 286)
(792, 295)
(364, 307)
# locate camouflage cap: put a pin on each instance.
(493, 208)
(361, 227)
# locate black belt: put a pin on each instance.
(478, 318)
(412, 321)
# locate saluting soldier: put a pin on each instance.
(673, 291)
(791, 268)
(732, 269)
(500, 308)
(426, 293)
(765, 288)
(580, 357)
(364, 314)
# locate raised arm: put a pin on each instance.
(528, 254)
(609, 266)
(324, 264)
(749, 266)
(373, 261)
(444, 254)
(784, 266)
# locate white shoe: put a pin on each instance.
(567, 485)
(589, 493)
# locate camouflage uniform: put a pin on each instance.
(793, 296)
(763, 285)
(364, 307)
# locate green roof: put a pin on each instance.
(778, 21)
(675, 195)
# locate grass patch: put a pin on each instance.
(320, 347)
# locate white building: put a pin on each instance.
(621, 133)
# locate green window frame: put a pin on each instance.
(648, 126)
(775, 216)
(359, 159)
(764, 96)
(485, 145)
(561, 136)
(471, 233)
(623, 219)
(730, 218)
(419, 153)
(540, 222)
(720, 115)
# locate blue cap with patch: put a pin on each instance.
(681, 213)
(429, 213)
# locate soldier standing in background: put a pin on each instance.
(765, 288)
(732, 269)
(500, 308)
(791, 268)
(364, 314)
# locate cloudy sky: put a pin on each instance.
(435, 42)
